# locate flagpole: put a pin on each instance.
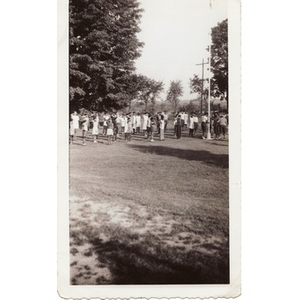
(209, 74)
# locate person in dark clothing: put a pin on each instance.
(178, 129)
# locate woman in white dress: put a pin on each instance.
(145, 119)
(75, 119)
(138, 122)
(133, 122)
(95, 131)
(85, 122)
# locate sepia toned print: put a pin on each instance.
(150, 147)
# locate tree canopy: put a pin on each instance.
(219, 65)
(219, 58)
(102, 50)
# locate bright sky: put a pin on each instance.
(176, 35)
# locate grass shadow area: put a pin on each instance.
(135, 264)
(218, 160)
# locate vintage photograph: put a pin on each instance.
(149, 113)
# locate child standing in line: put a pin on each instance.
(75, 119)
(105, 119)
(151, 131)
(129, 130)
(196, 120)
(95, 130)
(178, 127)
(115, 127)
(175, 125)
(191, 126)
(223, 124)
(157, 117)
(145, 124)
(85, 122)
(110, 131)
(126, 129)
(138, 122)
(217, 128)
(162, 128)
(72, 131)
(148, 128)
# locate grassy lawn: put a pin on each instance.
(149, 213)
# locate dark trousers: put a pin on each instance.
(223, 129)
(195, 127)
(217, 129)
(178, 132)
(204, 128)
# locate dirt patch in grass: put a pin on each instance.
(149, 214)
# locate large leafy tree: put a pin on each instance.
(219, 58)
(147, 90)
(174, 92)
(103, 48)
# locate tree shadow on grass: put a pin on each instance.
(133, 264)
(219, 160)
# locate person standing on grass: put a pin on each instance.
(126, 129)
(129, 130)
(204, 120)
(84, 122)
(110, 131)
(118, 122)
(178, 128)
(115, 128)
(75, 119)
(175, 125)
(105, 119)
(138, 122)
(223, 124)
(157, 121)
(95, 130)
(149, 127)
(152, 126)
(145, 123)
(196, 120)
(72, 131)
(191, 126)
(133, 122)
(162, 128)
(217, 128)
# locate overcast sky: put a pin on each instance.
(176, 35)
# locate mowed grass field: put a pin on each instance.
(149, 212)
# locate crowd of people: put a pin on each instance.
(117, 124)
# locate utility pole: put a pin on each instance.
(209, 69)
(202, 86)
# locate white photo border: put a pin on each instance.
(65, 289)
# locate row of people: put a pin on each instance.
(115, 124)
